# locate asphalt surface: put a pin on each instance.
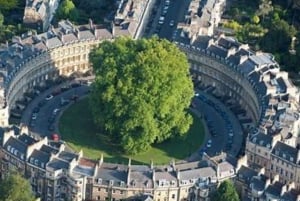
(176, 11)
(224, 129)
(45, 123)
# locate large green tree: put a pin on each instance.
(15, 188)
(226, 192)
(141, 92)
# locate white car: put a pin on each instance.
(167, 2)
(208, 145)
(34, 116)
(171, 23)
(55, 111)
(161, 20)
(49, 97)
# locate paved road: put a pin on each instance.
(176, 11)
(41, 124)
(220, 120)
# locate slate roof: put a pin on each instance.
(291, 195)
(274, 190)
(285, 152)
(228, 42)
(16, 147)
(48, 149)
(262, 140)
(67, 156)
(39, 158)
(58, 164)
(217, 50)
(206, 172)
(141, 176)
(245, 174)
(112, 173)
(257, 184)
(27, 139)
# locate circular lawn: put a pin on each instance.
(79, 132)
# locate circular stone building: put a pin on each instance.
(251, 81)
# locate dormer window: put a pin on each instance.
(99, 181)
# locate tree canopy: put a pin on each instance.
(226, 192)
(141, 92)
(15, 188)
(67, 10)
(8, 4)
(279, 37)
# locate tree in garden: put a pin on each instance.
(15, 188)
(279, 37)
(226, 192)
(141, 92)
(255, 19)
(8, 4)
(1, 19)
(67, 10)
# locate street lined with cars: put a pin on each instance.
(225, 132)
(45, 109)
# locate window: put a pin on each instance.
(173, 196)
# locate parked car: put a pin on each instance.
(40, 104)
(55, 111)
(65, 88)
(208, 145)
(49, 97)
(161, 20)
(34, 116)
(64, 102)
(36, 110)
(171, 23)
(51, 127)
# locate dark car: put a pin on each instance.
(51, 119)
(65, 88)
(74, 85)
(36, 110)
(43, 102)
(51, 127)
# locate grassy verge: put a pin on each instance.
(78, 130)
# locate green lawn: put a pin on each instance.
(78, 130)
